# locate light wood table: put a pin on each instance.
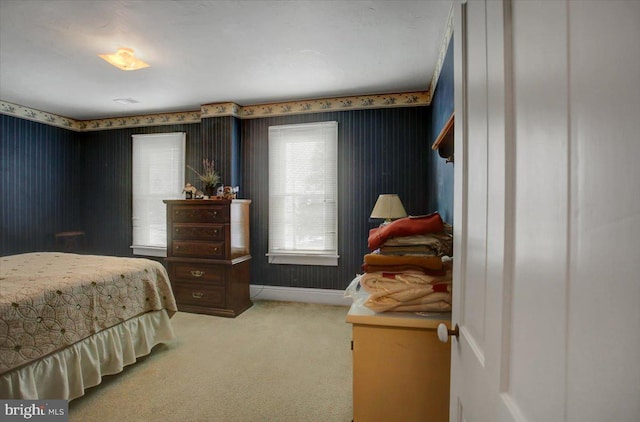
(400, 369)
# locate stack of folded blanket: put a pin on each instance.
(409, 268)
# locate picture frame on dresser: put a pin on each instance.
(208, 255)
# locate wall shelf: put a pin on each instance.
(444, 142)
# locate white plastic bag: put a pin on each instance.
(355, 291)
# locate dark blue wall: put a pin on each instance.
(440, 173)
(380, 151)
(54, 179)
(220, 143)
(40, 184)
(107, 183)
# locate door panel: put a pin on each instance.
(510, 266)
(546, 211)
(538, 321)
(473, 310)
(604, 335)
(470, 395)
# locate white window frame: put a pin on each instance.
(158, 163)
(283, 247)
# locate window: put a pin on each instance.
(158, 173)
(303, 188)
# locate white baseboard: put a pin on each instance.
(298, 294)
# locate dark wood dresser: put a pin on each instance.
(208, 255)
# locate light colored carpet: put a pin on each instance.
(277, 361)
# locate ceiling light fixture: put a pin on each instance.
(124, 59)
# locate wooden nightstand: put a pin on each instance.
(400, 369)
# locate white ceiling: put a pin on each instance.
(203, 52)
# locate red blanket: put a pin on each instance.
(407, 226)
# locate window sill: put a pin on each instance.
(303, 259)
(149, 250)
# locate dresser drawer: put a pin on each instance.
(195, 272)
(210, 250)
(198, 294)
(200, 214)
(191, 231)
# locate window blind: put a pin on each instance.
(158, 173)
(303, 204)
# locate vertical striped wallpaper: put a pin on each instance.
(106, 183)
(39, 184)
(221, 143)
(380, 151)
(53, 179)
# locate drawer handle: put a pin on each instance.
(197, 273)
(197, 295)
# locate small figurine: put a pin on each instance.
(230, 192)
(189, 191)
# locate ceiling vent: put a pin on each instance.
(126, 101)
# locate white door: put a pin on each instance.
(547, 211)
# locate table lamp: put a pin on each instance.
(388, 207)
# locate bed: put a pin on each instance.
(66, 320)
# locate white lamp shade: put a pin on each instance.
(388, 207)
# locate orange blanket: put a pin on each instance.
(407, 292)
(405, 227)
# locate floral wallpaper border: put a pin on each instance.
(99, 124)
(37, 115)
(408, 99)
